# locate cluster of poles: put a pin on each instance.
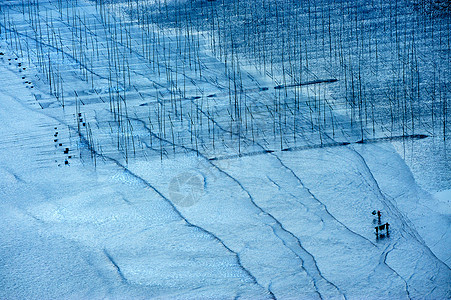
(230, 75)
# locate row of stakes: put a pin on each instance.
(81, 119)
(30, 84)
(21, 68)
(66, 149)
